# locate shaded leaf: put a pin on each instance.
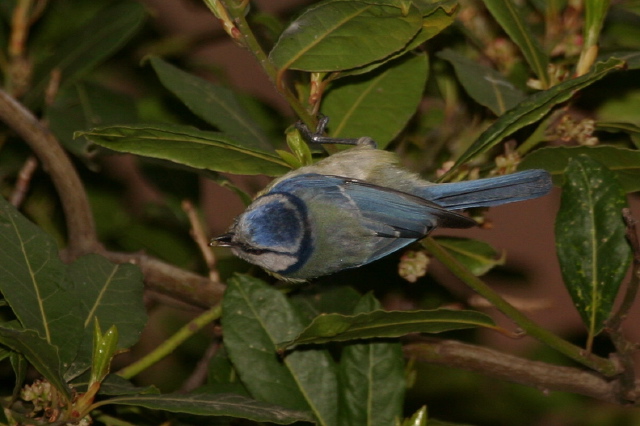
(340, 328)
(188, 146)
(338, 35)
(99, 38)
(532, 109)
(479, 257)
(590, 239)
(40, 353)
(378, 104)
(511, 20)
(34, 283)
(623, 162)
(485, 85)
(19, 365)
(84, 106)
(372, 379)
(215, 104)
(255, 318)
(214, 405)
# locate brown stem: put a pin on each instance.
(167, 279)
(80, 225)
(511, 368)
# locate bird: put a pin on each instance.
(355, 207)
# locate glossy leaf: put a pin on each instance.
(479, 257)
(623, 162)
(215, 405)
(99, 38)
(340, 328)
(40, 353)
(33, 281)
(485, 85)
(419, 418)
(104, 347)
(188, 146)
(511, 20)
(377, 105)
(436, 17)
(532, 109)
(255, 318)
(371, 378)
(339, 35)
(590, 239)
(217, 105)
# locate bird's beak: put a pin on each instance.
(224, 240)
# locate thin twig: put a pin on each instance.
(81, 231)
(200, 237)
(541, 375)
(22, 183)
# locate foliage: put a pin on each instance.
(463, 88)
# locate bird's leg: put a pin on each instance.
(318, 135)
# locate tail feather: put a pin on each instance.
(490, 191)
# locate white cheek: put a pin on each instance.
(274, 262)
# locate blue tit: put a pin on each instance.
(355, 207)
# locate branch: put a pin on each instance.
(167, 279)
(81, 231)
(543, 376)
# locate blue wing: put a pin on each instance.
(395, 218)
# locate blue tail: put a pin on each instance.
(491, 191)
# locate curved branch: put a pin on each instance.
(541, 375)
(81, 231)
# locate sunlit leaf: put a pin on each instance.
(188, 146)
(340, 328)
(485, 85)
(255, 318)
(378, 104)
(338, 35)
(623, 162)
(215, 405)
(590, 239)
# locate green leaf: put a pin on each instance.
(623, 162)
(485, 85)
(340, 328)
(511, 20)
(215, 104)
(215, 405)
(338, 35)
(255, 318)
(590, 240)
(479, 257)
(188, 146)
(83, 106)
(19, 365)
(378, 104)
(112, 293)
(98, 39)
(40, 353)
(34, 283)
(371, 378)
(104, 347)
(532, 109)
